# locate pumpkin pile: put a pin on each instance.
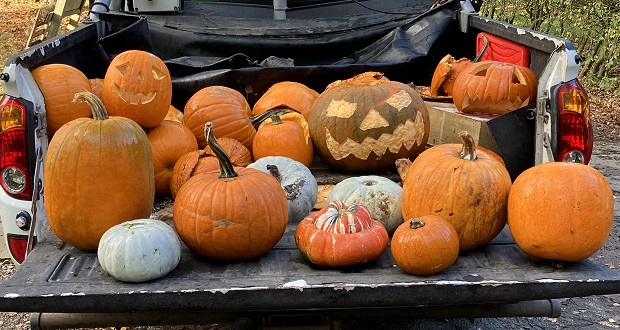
(239, 174)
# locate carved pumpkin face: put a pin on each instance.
(137, 85)
(366, 124)
(494, 87)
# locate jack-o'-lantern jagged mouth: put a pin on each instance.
(135, 98)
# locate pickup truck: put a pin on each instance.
(249, 46)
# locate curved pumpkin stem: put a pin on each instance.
(482, 50)
(416, 223)
(255, 120)
(468, 152)
(94, 103)
(226, 166)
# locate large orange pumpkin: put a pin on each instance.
(169, 141)
(58, 84)
(137, 85)
(494, 87)
(287, 94)
(284, 135)
(341, 235)
(97, 173)
(560, 211)
(226, 108)
(233, 214)
(465, 186)
(366, 123)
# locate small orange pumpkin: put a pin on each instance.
(560, 211)
(445, 74)
(466, 186)
(237, 213)
(425, 246)
(341, 235)
(137, 85)
(287, 94)
(494, 87)
(284, 135)
(174, 114)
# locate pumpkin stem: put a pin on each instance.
(416, 223)
(275, 172)
(482, 50)
(226, 167)
(275, 119)
(255, 120)
(94, 103)
(468, 152)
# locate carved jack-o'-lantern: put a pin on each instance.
(366, 124)
(494, 87)
(137, 85)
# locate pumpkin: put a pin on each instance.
(297, 181)
(286, 94)
(284, 135)
(494, 87)
(235, 214)
(205, 160)
(226, 108)
(139, 250)
(169, 141)
(58, 84)
(425, 246)
(445, 74)
(380, 195)
(341, 235)
(365, 124)
(137, 85)
(98, 172)
(96, 86)
(174, 114)
(465, 186)
(560, 211)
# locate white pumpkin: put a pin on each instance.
(382, 197)
(139, 250)
(297, 181)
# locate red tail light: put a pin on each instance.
(17, 245)
(14, 165)
(575, 136)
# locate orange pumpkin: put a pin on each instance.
(425, 246)
(137, 85)
(58, 84)
(465, 186)
(96, 86)
(284, 135)
(231, 215)
(445, 74)
(560, 211)
(169, 141)
(366, 123)
(341, 235)
(494, 87)
(174, 114)
(286, 94)
(101, 179)
(226, 108)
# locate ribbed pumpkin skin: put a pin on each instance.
(425, 245)
(494, 87)
(366, 124)
(472, 195)
(169, 141)
(231, 219)
(341, 235)
(560, 211)
(287, 94)
(137, 85)
(288, 138)
(58, 84)
(98, 173)
(226, 108)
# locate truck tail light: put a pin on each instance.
(575, 135)
(15, 176)
(17, 244)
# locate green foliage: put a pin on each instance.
(592, 25)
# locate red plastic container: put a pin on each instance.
(503, 50)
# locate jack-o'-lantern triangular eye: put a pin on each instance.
(123, 68)
(158, 74)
